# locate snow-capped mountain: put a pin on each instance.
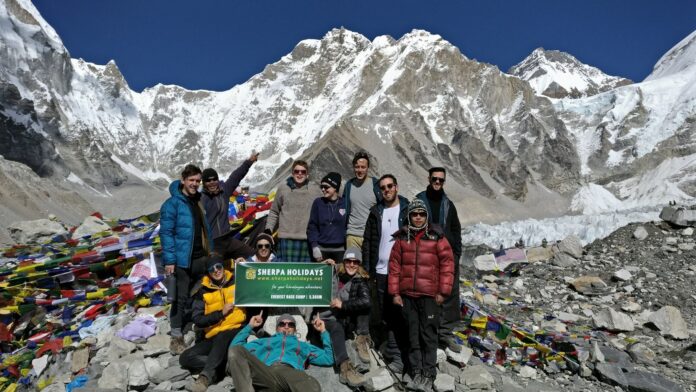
(557, 74)
(412, 103)
(638, 140)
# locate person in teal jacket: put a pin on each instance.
(186, 245)
(277, 363)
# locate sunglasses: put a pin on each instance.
(263, 246)
(210, 179)
(290, 324)
(386, 186)
(324, 187)
(299, 171)
(215, 267)
(437, 180)
(351, 261)
(423, 214)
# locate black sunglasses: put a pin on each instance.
(436, 180)
(296, 171)
(263, 246)
(324, 186)
(290, 324)
(386, 186)
(210, 179)
(419, 213)
(215, 267)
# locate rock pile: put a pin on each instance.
(613, 315)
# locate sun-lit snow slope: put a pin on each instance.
(559, 75)
(617, 127)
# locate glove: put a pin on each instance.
(316, 252)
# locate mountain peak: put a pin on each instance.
(677, 59)
(557, 74)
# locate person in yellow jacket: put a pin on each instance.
(215, 313)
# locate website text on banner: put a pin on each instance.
(282, 284)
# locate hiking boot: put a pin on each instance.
(200, 385)
(396, 366)
(451, 343)
(362, 346)
(177, 345)
(413, 382)
(349, 376)
(426, 384)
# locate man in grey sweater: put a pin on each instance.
(290, 214)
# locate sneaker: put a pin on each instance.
(362, 346)
(200, 385)
(349, 376)
(177, 345)
(451, 343)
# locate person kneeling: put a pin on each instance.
(350, 312)
(214, 311)
(277, 363)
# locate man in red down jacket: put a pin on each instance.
(421, 274)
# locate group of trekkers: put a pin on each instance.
(396, 274)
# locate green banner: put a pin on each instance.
(282, 284)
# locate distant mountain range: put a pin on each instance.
(553, 136)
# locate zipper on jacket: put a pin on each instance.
(416, 270)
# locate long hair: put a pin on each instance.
(361, 271)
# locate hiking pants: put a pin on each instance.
(423, 317)
(209, 356)
(250, 374)
(180, 312)
(340, 327)
(451, 309)
(391, 317)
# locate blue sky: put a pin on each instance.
(215, 45)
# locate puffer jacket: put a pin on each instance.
(176, 228)
(359, 297)
(421, 265)
(287, 349)
(208, 304)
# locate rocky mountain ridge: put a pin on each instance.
(411, 103)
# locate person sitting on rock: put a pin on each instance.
(421, 275)
(215, 313)
(350, 312)
(277, 363)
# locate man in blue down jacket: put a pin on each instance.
(186, 245)
(216, 200)
(277, 363)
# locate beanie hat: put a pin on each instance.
(284, 317)
(209, 174)
(264, 236)
(417, 205)
(353, 253)
(333, 179)
(212, 260)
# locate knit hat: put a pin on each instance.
(416, 205)
(353, 253)
(212, 260)
(284, 317)
(333, 179)
(209, 174)
(264, 236)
